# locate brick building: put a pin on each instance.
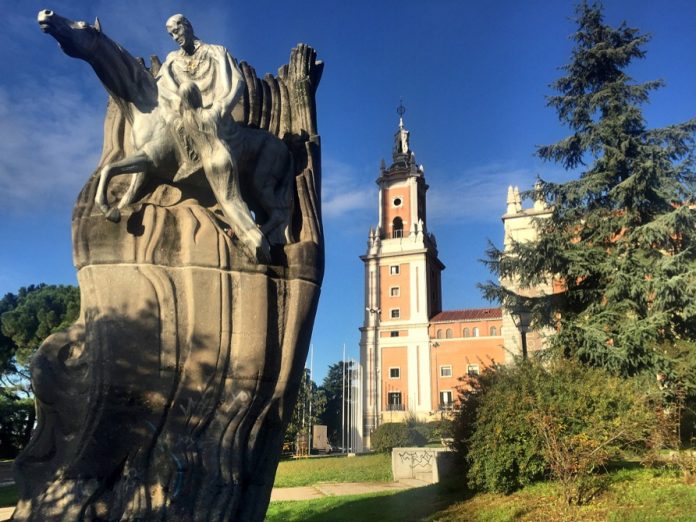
(413, 353)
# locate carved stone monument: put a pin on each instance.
(199, 249)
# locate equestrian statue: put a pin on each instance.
(199, 252)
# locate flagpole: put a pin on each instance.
(309, 420)
(343, 401)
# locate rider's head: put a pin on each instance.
(181, 31)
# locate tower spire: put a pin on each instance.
(401, 146)
(401, 110)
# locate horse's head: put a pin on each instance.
(76, 39)
(124, 77)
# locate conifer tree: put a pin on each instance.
(620, 241)
(26, 319)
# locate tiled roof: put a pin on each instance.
(470, 314)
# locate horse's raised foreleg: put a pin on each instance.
(138, 163)
(133, 188)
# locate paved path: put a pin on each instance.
(323, 489)
(336, 489)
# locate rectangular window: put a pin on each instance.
(394, 333)
(446, 400)
(472, 369)
(395, 313)
(394, 403)
(394, 373)
(394, 269)
(446, 371)
(394, 291)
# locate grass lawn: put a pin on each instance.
(8, 496)
(301, 472)
(362, 468)
(635, 495)
(414, 504)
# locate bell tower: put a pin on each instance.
(402, 292)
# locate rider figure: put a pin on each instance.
(201, 83)
(211, 68)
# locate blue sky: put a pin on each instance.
(472, 75)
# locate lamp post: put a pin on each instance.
(522, 319)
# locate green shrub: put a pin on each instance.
(525, 422)
(424, 431)
(499, 447)
(440, 429)
(395, 435)
(16, 422)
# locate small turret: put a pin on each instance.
(518, 200)
(510, 200)
(539, 201)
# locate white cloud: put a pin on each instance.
(51, 140)
(344, 191)
(476, 194)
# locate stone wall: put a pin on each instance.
(426, 464)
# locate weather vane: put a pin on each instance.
(400, 110)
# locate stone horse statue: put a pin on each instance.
(168, 398)
(159, 150)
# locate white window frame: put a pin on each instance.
(442, 370)
(394, 269)
(398, 372)
(392, 292)
(391, 394)
(451, 396)
(392, 315)
(473, 369)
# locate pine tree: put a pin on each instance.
(620, 240)
(26, 319)
(309, 407)
(336, 388)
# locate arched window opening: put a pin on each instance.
(494, 331)
(465, 332)
(448, 333)
(439, 334)
(476, 332)
(397, 227)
